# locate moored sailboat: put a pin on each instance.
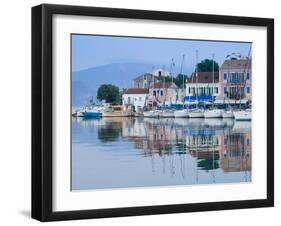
(151, 114)
(196, 113)
(213, 113)
(227, 114)
(243, 115)
(167, 114)
(181, 113)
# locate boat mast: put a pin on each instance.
(213, 59)
(183, 56)
(171, 67)
(171, 74)
(196, 75)
(164, 93)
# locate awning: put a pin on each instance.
(230, 101)
(199, 99)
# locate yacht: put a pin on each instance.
(181, 113)
(196, 113)
(227, 114)
(167, 114)
(243, 115)
(151, 114)
(213, 113)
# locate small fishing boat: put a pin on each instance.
(151, 114)
(181, 113)
(243, 115)
(213, 113)
(116, 111)
(166, 114)
(91, 114)
(196, 113)
(227, 114)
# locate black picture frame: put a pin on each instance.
(42, 111)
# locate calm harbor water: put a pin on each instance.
(144, 152)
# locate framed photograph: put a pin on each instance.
(145, 112)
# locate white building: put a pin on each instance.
(160, 72)
(163, 92)
(205, 84)
(135, 97)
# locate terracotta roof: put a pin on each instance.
(137, 91)
(160, 85)
(235, 64)
(204, 77)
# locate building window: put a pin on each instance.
(140, 99)
(154, 93)
(129, 100)
(225, 76)
(161, 93)
(159, 73)
(192, 90)
(225, 90)
(216, 90)
(144, 77)
(241, 77)
(232, 77)
(248, 89)
(248, 75)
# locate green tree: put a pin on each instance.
(180, 79)
(166, 78)
(109, 93)
(207, 65)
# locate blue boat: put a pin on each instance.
(91, 114)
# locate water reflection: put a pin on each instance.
(137, 152)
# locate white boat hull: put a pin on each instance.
(227, 114)
(167, 114)
(181, 114)
(243, 115)
(213, 113)
(196, 114)
(151, 114)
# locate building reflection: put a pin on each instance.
(213, 143)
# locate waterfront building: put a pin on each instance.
(135, 97)
(205, 84)
(236, 77)
(160, 72)
(145, 80)
(163, 92)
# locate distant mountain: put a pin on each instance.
(85, 83)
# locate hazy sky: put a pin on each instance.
(91, 51)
